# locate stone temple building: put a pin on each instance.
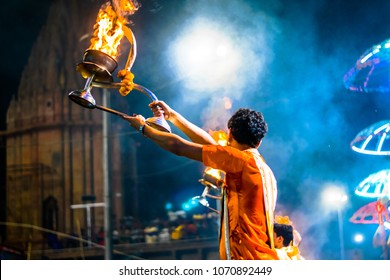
(54, 147)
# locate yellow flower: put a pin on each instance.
(127, 82)
(282, 220)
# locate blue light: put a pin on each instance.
(193, 202)
(168, 206)
(186, 206)
(370, 72)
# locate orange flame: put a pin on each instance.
(282, 220)
(215, 173)
(108, 30)
(128, 7)
(220, 136)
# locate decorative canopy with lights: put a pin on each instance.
(375, 185)
(373, 140)
(371, 213)
(371, 72)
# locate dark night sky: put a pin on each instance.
(311, 116)
(20, 24)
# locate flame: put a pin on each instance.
(282, 220)
(215, 177)
(128, 7)
(108, 29)
(215, 173)
(220, 136)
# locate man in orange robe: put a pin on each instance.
(250, 194)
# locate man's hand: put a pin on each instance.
(135, 121)
(127, 82)
(160, 108)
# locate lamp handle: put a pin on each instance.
(137, 87)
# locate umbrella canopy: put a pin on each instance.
(374, 140)
(371, 72)
(371, 213)
(376, 185)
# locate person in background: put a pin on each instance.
(287, 239)
(283, 238)
(249, 197)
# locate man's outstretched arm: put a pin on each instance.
(195, 133)
(168, 141)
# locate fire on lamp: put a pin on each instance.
(99, 60)
(213, 180)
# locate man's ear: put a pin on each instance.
(280, 239)
(229, 136)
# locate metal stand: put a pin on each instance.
(88, 207)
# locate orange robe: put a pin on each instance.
(251, 197)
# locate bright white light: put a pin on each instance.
(358, 238)
(378, 48)
(222, 51)
(334, 197)
(376, 138)
(368, 152)
(383, 127)
(364, 59)
(375, 185)
(206, 56)
(375, 51)
(366, 142)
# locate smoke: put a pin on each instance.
(248, 34)
(283, 75)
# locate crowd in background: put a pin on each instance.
(178, 226)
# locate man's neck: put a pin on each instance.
(241, 147)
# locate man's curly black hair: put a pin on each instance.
(248, 127)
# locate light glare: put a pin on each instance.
(334, 197)
(358, 238)
(206, 58)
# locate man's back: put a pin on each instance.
(251, 188)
